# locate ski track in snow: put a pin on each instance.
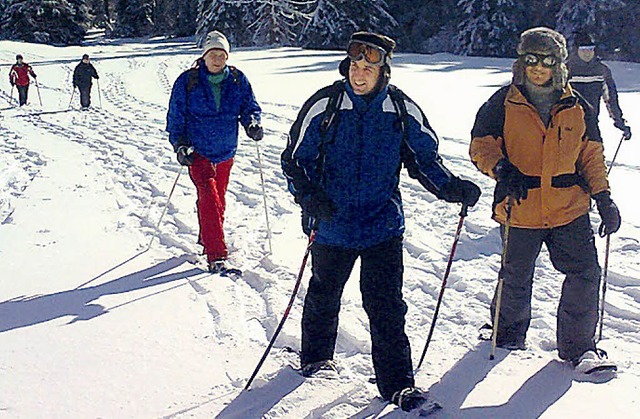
(126, 135)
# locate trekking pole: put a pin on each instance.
(496, 316)
(164, 211)
(616, 154)
(38, 89)
(99, 95)
(11, 97)
(463, 213)
(312, 237)
(604, 285)
(264, 197)
(71, 100)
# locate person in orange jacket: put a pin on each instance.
(541, 143)
(19, 77)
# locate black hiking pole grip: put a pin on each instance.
(496, 316)
(312, 237)
(615, 154)
(604, 285)
(463, 213)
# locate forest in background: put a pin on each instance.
(467, 27)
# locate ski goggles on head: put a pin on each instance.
(373, 54)
(532, 60)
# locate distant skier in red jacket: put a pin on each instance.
(19, 77)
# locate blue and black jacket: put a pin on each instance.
(194, 119)
(357, 162)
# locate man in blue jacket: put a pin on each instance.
(343, 169)
(207, 103)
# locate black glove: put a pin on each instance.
(608, 213)
(462, 191)
(254, 131)
(515, 182)
(185, 155)
(318, 205)
(626, 132)
(35, 77)
(13, 83)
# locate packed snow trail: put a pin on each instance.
(92, 324)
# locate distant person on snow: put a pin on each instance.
(344, 171)
(82, 79)
(206, 104)
(541, 143)
(593, 80)
(19, 77)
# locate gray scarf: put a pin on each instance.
(543, 98)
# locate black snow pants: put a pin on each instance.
(573, 252)
(381, 287)
(85, 96)
(23, 92)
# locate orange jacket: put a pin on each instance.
(564, 161)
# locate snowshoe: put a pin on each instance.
(593, 362)
(321, 369)
(220, 267)
(413, 399)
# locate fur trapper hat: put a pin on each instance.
(543, 41)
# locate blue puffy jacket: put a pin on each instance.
(358, 162)
(193, 118)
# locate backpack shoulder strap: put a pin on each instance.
(398, 99)
(335, 100)
(235, 73)
(192, 80)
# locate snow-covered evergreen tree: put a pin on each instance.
(134, 18)
(333, 21)
(278, 22)
(230, 17)
(44, 21)
(490, 27)
(584, 15)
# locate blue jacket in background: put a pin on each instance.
(358, 164)
(193, 118)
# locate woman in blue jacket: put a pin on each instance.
(207, 103)
(343, 162)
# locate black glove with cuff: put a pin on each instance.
(514, 180)
(458, 190)
(318, 205)
(254, 131)
(185, 155)
(609, 213)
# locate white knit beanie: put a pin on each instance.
(215, 40)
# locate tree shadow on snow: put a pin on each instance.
(28, 311)
(257, 402)
(531, 400)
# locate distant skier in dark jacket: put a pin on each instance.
(19, 77)
(207, 104)
(593, 80)
(347, 178)
(82, 79)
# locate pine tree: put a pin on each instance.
(333, 21)
(134, 18)
(230, 17)
(44, 21)
(584, 15)
(490, 27)
(278, 22)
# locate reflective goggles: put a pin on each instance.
(587, 48)
(371, 53)
(532, 60)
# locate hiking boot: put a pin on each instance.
(313, 368)
(218, 266)
(593, 361)
(409, 398)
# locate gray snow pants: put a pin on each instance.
(572, 251)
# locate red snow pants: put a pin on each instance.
(211, 182)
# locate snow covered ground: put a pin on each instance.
(94, 323)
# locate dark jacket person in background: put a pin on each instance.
(82, 79)
(593, 80)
